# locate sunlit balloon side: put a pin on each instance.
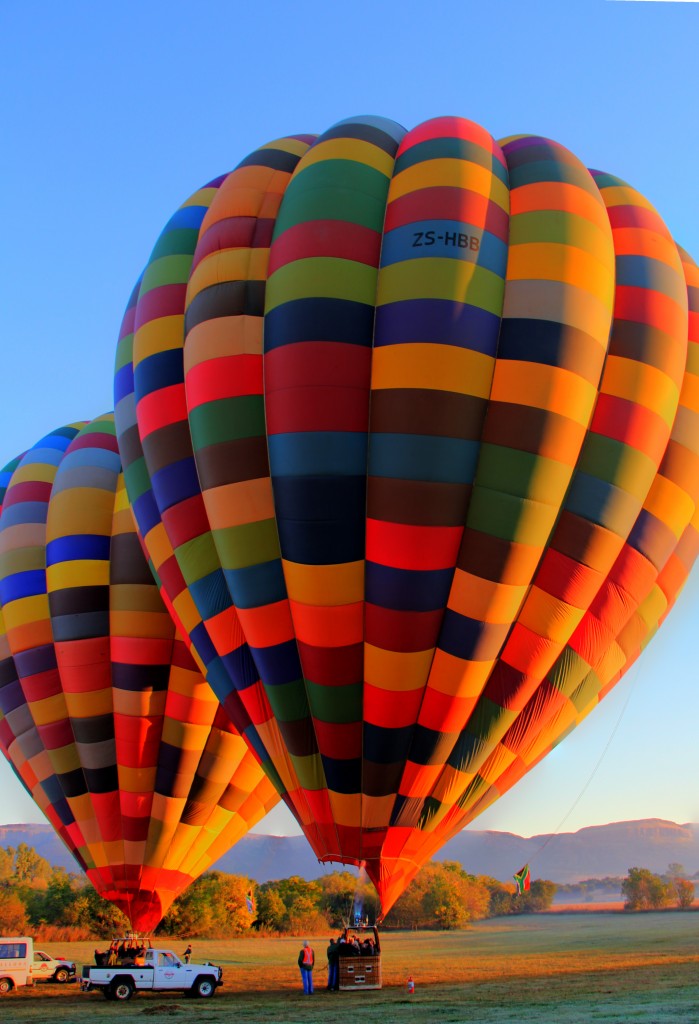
(104, 714)
(409, 426)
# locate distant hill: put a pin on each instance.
(595, 852)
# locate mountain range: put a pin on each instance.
(597, 851)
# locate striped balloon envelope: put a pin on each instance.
(409, 427)
(104, 714)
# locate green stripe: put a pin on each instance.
(335, 190)
(227, 419)
(449, 148)
(325, 277)
(250, 544)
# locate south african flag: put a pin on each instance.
(523, 880)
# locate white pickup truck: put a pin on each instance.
(161, 971)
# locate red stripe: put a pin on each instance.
(630, 423)
(161, 409)
(185, 521)
(412, 547)
(31, 490)
(234, 233)
(166, 300)
(336, 238)
(94, 440)
(224, 377)
(447, 203)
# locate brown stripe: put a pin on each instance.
(426, 412)
(232, 461)
(417, 502)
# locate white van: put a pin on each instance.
(16, 959)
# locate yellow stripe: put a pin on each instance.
(396, 671)
(324, 585)
(202, 197)
(349, 149)
(80, 573)
(670, 504)
(433, 368)
(457, 280)
(221, 337)
(549, 617)
(483, 599)
(228, 265)
(540, 386)
(159, 335)
(643, 384)
(556, 262)
(450, 173)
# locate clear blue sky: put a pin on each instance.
(114, 113)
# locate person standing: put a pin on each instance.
(306, 963)
(188, 953)
(333, 955)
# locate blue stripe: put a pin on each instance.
(423, 457)
(407, 590)
(444, 239)
(161, 370)
(319, 320)
(123, 383)
(185, 217)
(210, 594)
(437, 320)
(601, 502)
(279, 664)
(146, 513)
(325, 453)
(256, 585)
(24, 512)
(175, 483)
(79, 546)
(321, 520)
(22, 584)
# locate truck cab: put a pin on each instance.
(16, 957)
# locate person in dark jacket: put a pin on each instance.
(306, 963)
(333, 954)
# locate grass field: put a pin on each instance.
(551, 968)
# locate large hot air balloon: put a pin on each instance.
(409, 426)
(104, 714)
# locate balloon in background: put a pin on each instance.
(409, 427)
(106, 717)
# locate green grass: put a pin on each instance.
(550, 968)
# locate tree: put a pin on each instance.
(13, 915)
(643, 890)
(684, 891)
(271, 909)
(6, 859)
(29, 867)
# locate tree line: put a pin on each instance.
(37, 898)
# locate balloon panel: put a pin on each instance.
(105, 715)
(410, 440)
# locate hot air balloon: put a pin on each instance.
(409, 427)
(105, 715)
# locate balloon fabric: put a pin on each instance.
(104, 714)
(409, 428)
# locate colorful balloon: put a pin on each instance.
(104, 714)
(410, 432)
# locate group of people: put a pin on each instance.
(123, 953)
(343, 946)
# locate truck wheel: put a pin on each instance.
(5, 986)
(61, 975)
(122, 989)
(205, 988)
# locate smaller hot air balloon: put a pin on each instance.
(106, 717)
